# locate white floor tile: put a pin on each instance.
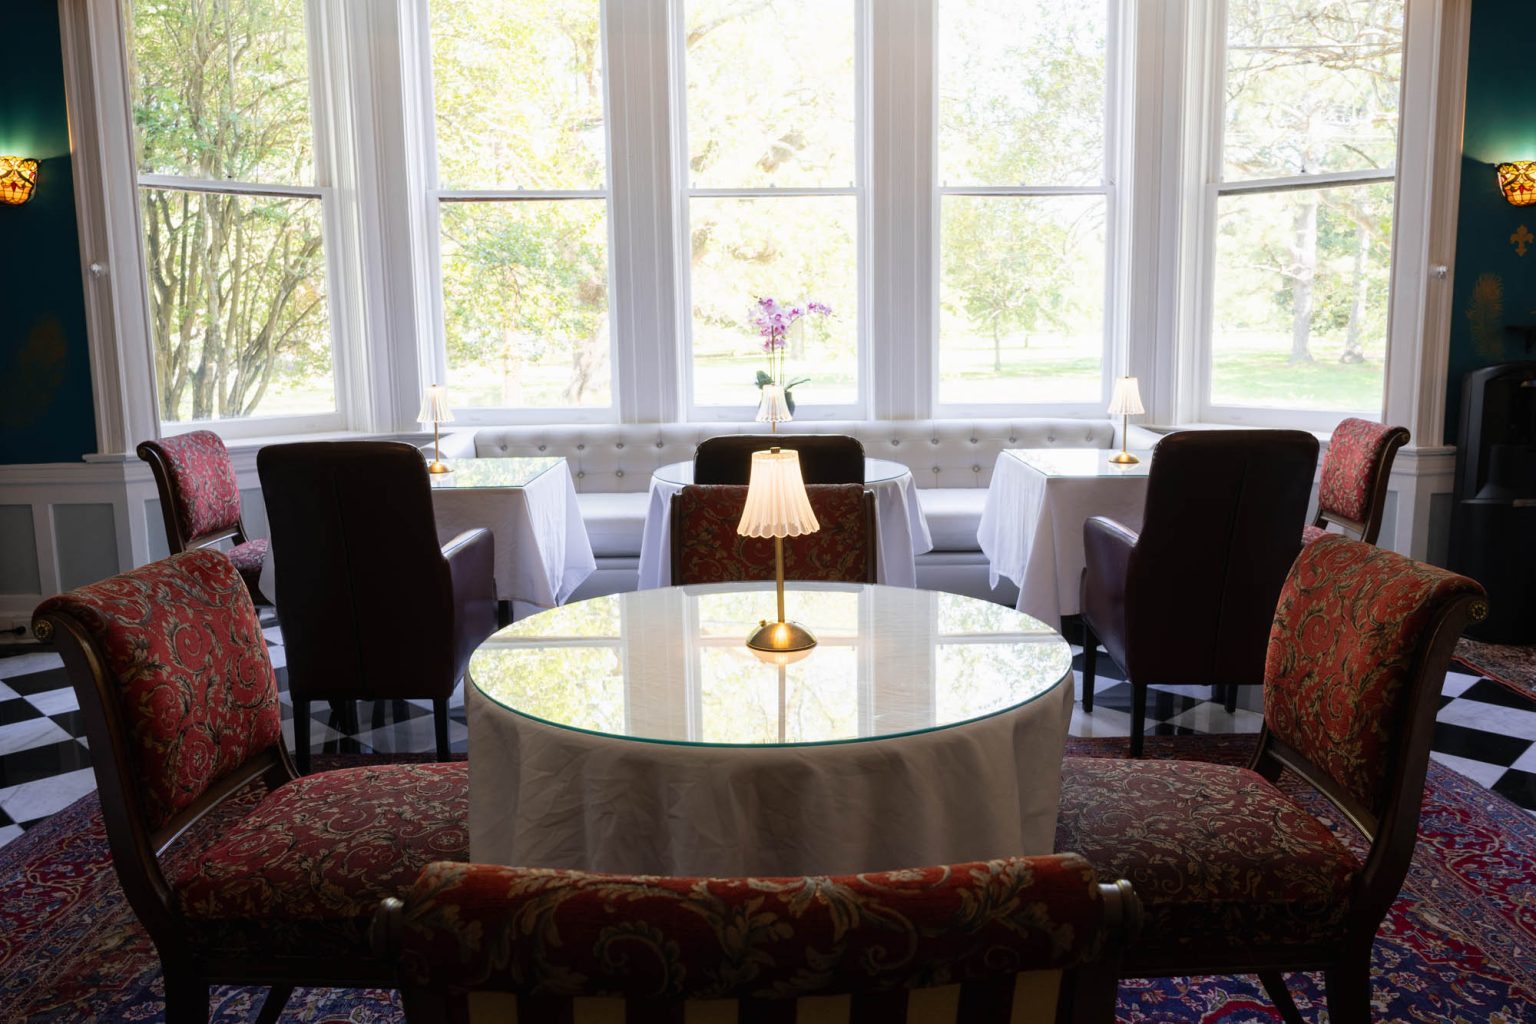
(273, 634)
(1526, 762)
(32, 800)
(6, 693)
(26, 664)
(1214, 718)
(9, 832)
(413, 737)
(1492, 718)
(55, 702)
(1479, 772)
(1458, 683)
(35, 732)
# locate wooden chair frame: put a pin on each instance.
(1368, 529)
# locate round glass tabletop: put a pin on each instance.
(672, 666)
(876, 471)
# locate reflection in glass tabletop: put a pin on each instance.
(489, 473)
(671, 665)
(1081, 462)
(876, 471)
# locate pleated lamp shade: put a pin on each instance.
(777, 505)
(771, 407)
(434, 406)
(1125, 400)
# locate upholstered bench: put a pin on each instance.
(951, 461)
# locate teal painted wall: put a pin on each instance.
(1495, 284)
(46, 412)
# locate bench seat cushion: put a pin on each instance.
(615, 521)
(953, 515)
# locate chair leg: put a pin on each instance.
(350, 727)
(1138, 718)
(1349, 992)
(272, 1006)
(1274, 984)
(301, 735)
(186, 997)
(440, 726)
(1090, 664)
(1231, 697)
(402, 711)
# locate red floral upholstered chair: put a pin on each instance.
(1353, 490)
(1030, 938)
(1235, 877)
(200, 500)
(707, 549)
(181, 709)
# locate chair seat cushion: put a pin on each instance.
(953, 515)
(615, 521)
(1312, 533)
(304, 871)
(249, 558)
(1224, 863)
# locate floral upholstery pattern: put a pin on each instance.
(249, 559)
(1311, 533)
(202, 478)
(1349, 628)
(1219, 857)
(710, 551)
(1350, 467)
(560, 934)
(305, 870)
(194, 683)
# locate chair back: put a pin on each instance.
(174, 682)
(824, 458)
(1353, 489)
(1357, 656)
(199, 495)
(1222, 524)
(357, 562)
(963, 942)
(707, 549)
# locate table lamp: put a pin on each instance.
(772, 409)
(1125, 402)
(434, 410)
(778, 507)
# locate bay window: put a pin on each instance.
(991, 146)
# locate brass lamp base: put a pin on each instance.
(438, 466)
(1124, 458)
(781, 636)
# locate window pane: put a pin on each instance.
(770, 93)
(525, 303)
(1301, 294)
(237, 305)
(1312, 86)
(1021, 299)
(789, 248)
(519, 93)
(221, 89)
(1021, 92)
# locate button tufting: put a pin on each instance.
(660, 444)
(619, 445)
(973, 440)
(1013, 440)
(618, 472)
(935, 469)
(1051, 438)
(895, 443)
(933, 440)
(580, 473)
(975, 469)
(542, 447)
(581, 447)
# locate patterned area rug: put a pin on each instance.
(1458, 946)
(1511, 665)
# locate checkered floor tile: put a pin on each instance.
(1483, 730)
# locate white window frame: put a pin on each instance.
(1208, 69)
(1119, 66)
(684, 192)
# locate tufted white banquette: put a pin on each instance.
(951, 460)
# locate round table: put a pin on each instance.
(637, 733)
(902, 528)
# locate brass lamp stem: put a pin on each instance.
(1123, 457)
(778, 572)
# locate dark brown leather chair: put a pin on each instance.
(1191, 598)
(824, 458)
(371, 607)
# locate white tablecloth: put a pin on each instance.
(1032, 530)
(542, 552)
(903, 530)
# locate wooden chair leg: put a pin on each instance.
(186, 997)
(1349, 992)
(349, 726)
(378, 714)
(1274, 984)
(1138, 718)
(1231, 698)
(272, 1006)
(440, 726)
(301, 735)
(402, 711)
(1090, 664)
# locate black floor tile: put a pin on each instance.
(41, 762)
(1476, 745)
(1161, 705)
(72, 722)
(40, 682)
(1487, 691)
(1518, 786)
(5, 819)
(13, 711)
